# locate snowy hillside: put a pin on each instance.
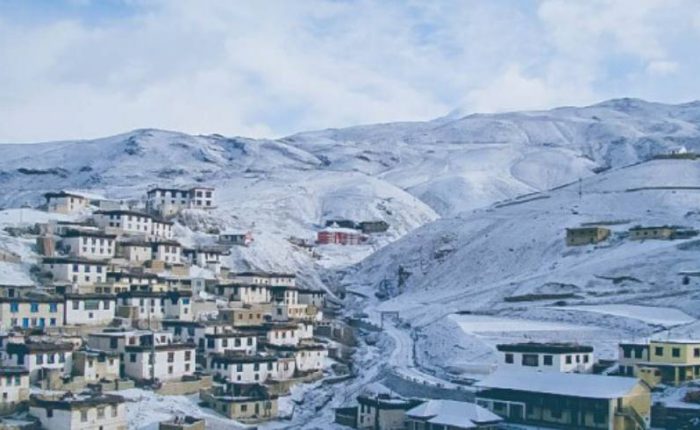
(407, 174)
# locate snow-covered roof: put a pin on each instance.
(453, 413)
(564, 384)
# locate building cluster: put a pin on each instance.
(591, 235)
(546, 385)
(349, 232)
(116, 306)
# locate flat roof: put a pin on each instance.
(548, 348)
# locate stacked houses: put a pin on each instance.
(118, 306)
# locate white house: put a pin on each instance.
(89, 309)
(546, 357)
(247, 294)
(243, 368)
(207, 258)
(14, 385)
(131, 222)
(164, 362)
(316, 298)
(88, 244)
(116, 340)
(66, 203)
(95, 365)
(168, 251)
(230, 340)
(170, 201)
(451, 414)
(282, 334)
(35, 356)
(135, 252)
(158, 305)
(266, 278)
(77, 271)
(236, 238)
(79, 411)
(31, 311)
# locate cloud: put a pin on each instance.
(271, 68)
(662, 68)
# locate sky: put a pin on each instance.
(73, 69)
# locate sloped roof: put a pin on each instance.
(462, 415)
(564, 384)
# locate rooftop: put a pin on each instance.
(549, 348)
(453, 413)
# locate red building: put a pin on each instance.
(340, 236)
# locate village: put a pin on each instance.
(119, 303)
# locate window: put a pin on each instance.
(132, 358)
(676, 352)
(100, 413)
(34, 307)
(40, 359)
(49, 413)
(114, 411)
(188, 355)
(53, 307)
(659, 351)
(14, 307)
(244, 408)
(696, 352)
(52, 322)
(531, 360)
(170, 370)
(256, 367)
(83, 416)
(568, 359)
(556, 413)
(171, 357)
(548, 360)
(586, 357)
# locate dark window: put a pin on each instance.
(509, 358)
(676, 352)
(548, 361)
(659, 350)
(696, 352)
(568, 359)
(532, 360)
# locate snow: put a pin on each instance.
(565, 384)
(475, 324)
(453, 413)
(664, 316)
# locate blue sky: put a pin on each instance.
(81, 68)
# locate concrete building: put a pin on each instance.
(66, 203)
(156, 305)
(169, 201)
(247, 294)
(236, 238)
(37, 356)
(89, 309)
(656, 232)
(586, 235)
(14, 386)
(381, 412)
(247, 403)
(76, 271)
(244, 316)
(546, 357)
(672, 361)
(133, 223)
(243, 368)
(31, 311)
(79, 412)
(566, 400)
(164, 362)
(95, 365)
(88, 244)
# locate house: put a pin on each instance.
(236, 238)
(282, 334)
(451, 414)
(95, 365)
(586, 235)
(247, 403)
(242, 368)
(657, 232)
(316, 298)
(381, 412)
(308, 357)
(546, 357)
(206, 258)
(170, 201)
(88, 244)
(230, 340)
(117, 340)
(369, 227)
(77, 271)
(244, 316)
(672, 361)
(131, 222)
(168, 251)
(66, 203)
(183, 423)
(265, 278)
(88, 411)
(164, 362)
(340, 236)
(247, 294)
(135, 251)
(566, 400)
(37, 356)
(155, 305)
(14, 385)
(89, 309)
(31, 311)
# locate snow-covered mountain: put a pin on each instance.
(408, 174)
